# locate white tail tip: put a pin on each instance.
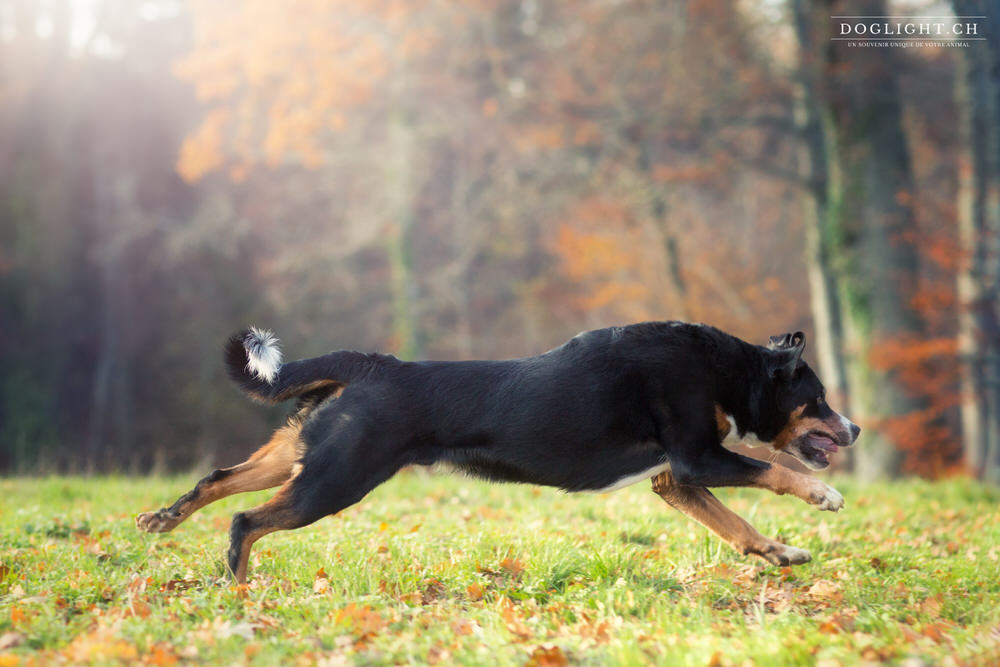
(263, 354)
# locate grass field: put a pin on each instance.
(439, 569)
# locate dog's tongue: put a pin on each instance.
(823, 442)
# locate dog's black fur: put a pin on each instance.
(608, 405)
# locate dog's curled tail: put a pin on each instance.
(253, 360)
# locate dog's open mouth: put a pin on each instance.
(820, 447)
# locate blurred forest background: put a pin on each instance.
(484, 179)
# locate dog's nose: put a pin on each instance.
(855, 431)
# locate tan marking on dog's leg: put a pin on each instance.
(699, 504)
(722, 424)
(781, 480)
(269, 466)
(277, 513)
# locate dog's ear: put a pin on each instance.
(786, 354)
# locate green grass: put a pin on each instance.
(434, 568)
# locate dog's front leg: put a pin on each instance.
(699, 504)
(780, 480)
(721, 467)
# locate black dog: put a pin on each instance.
(611, 407)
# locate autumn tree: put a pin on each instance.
(670, 148)
(368, 104)
(877, 243)
(977, 94)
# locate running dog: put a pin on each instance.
(659, 400)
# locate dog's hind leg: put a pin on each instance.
(269, 466)
(279, 513)
(699, 504)
(335, 473)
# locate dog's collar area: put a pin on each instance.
(733, 437)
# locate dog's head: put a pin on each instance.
(813, 430)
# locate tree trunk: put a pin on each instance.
(977, 97)
(988, 308)
(814, 156)
(870, 214)
(399, 181)
(656, 203)
(972, 99)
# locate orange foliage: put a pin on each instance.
(542, 137)
(203, 151)
(600, 261)
(584, 255)
(930, 447)
(695, 173)
(928, 368)
(905, 353)
(282, 75)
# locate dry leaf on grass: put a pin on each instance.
(321, 582)
(547, 656)
(824, 589)
(102, 644)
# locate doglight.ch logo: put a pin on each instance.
(908, 31)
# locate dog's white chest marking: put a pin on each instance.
(733, 437)
(629, 480)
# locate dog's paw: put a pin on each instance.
(827, 498)
(796, 556)
(155, 522)
(782, 554)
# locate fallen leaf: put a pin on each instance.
(250, 650)
(138, 608)
(601, 631)
(100, 645)
(911, 635)
(437, 655)
(321, 582)
(935, 631)
(839, 622)
(514, 624)
(475, 592)
(824, 589)
(414, 598)
(138, 584)
(931, 606)
(512, 566)
(464, 626)
(362, 620)
(547, 656)
(161, 656)
(433, 590)
(177, 585)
